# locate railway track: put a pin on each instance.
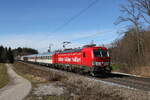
(121, 80)
(131, 82)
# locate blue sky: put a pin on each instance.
(32, 23)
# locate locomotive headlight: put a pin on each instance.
(94, 63)
(108, 54)
(97, 63)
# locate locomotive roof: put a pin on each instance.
(71, 50)
(79, 49)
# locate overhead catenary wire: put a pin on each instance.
(72, 18)
(74, 41)
(76, 15)
(91, 4)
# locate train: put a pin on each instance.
(89, 59)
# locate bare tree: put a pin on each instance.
(131, 15)
(144, 7)
(133, 49)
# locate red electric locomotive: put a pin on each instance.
(94, 59)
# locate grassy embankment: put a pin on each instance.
(37, 76)
(75, 87)
(141, 71)
(116, 67)
(4, 79)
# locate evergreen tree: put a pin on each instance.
(6, 55)
(10, 56)
(1, 52)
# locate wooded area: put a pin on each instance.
(24, 51)
(7, 55)
(133, 49)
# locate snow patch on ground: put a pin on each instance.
(48, 89)
(126, 74)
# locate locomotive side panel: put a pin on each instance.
(87, 57)
(73, 58)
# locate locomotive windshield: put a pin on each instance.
(100, 53)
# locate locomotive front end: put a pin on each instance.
(101, 59)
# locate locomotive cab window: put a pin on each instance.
(100, 53)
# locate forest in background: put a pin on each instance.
(133, 49)
(24, 51)
(7, 55)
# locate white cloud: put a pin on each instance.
(41, 41)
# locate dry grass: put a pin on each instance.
(87, 89)
(36, 75)
(4, 79)
(142, 71)
(78, 87)
(83, 89)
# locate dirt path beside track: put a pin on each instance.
(17, 89)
